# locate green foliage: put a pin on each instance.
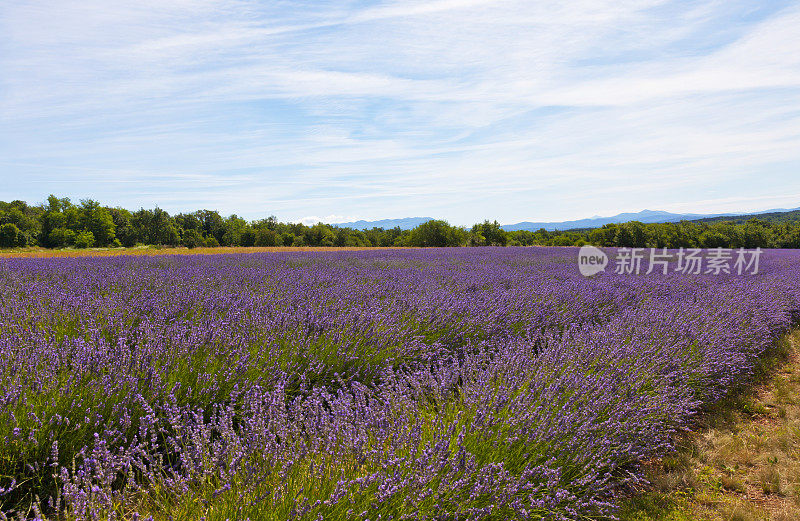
(491, 234)
(248, 237)
(10, 236)
(211, 224)
(192, 238)
(438, 233)
(233, 228)
(686, 234)
(59, 222)
(772, 217)
(126, 234)
(98, 221)
(85, 239)
(60, 237)
(155, 227)
(320, 235)
(26, 219)
(350, 238)
(267, 237)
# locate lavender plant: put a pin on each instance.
(406, 384)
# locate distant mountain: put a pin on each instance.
(645, 216)
(406, 223)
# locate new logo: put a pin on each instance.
(591, 260)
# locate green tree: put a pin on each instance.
(10, 236)
(61, 237)
(491, 232)
(233, 227)
(189, 221)
(84, 239)
(155, 227)
(27, 219)
(632, 234)
(192, 238)
(127, 235)
(437, 233)
(476, 239)
(563, 240)
(403, 240)
(213, 225)
(98, 220)
(267, 237)
(54, 218)
(320, 235)
(248, 237)
(287, 239)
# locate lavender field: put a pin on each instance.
(408, 384)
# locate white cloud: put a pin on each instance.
(456, 108)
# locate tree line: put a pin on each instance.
(61, 223)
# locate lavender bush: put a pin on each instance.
(407, 384)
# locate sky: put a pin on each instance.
(350, 109)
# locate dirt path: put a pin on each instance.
(743, 465)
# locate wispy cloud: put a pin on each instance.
(462, 109)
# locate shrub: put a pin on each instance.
(85, 239)
(61, 237)
(192, 238)
(9, 236)
(248, 237)
(266, 237)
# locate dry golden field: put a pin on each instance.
(744, 465)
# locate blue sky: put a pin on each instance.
(459, 109)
